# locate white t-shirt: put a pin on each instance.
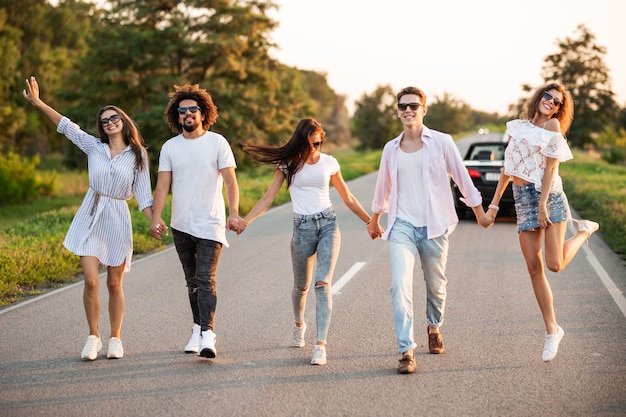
(310, 186)
(411, 201)
(198, 206)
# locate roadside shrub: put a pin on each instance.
(19, 180)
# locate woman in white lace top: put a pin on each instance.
(536, 148)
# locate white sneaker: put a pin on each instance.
(319, 355)
(298, 336)
(194, 341)
(91, 349)
(552, 345)
(207, 344)
(588, 226)
(116, 350)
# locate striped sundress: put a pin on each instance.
(102, 225)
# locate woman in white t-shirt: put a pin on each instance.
(536, 147)
(308, 173)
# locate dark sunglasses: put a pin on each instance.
(547, 96)
(317, 144)
(413, 106)
(183, 110)
(113, 119)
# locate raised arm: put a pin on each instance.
(31, 93)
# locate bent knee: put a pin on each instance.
(555, 266)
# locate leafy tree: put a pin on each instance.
(375, 122)
(143, 48)
(580, 66)
(41, 40)
(449, 114)
(328, 108)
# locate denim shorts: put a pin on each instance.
(527, 207)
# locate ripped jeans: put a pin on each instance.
(199, 258)
(315, 236)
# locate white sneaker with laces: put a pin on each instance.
(552, 345)
(116, 349)
(207, 344)
(91, 349)
(194, 341)
(298, 336)
(319, 355)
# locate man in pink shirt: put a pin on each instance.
(413, 186)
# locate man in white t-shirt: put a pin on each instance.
(197, 164)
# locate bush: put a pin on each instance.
(20, 182)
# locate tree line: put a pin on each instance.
(131, 52)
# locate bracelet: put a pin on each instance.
(493, 206)
(368, 222)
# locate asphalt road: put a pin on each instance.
(493, 333)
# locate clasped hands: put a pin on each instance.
(236, 224)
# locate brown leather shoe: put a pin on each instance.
(435, 343)
(407, 364)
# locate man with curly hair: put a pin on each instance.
(197, 163)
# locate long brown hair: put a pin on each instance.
(292, 154)
(565, 112)
(130, 134)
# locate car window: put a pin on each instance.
(487, 152)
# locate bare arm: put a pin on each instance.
(348, 198)
(157, 225)
(266, 201)
(234, 222)
(31, 93)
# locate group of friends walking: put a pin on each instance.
(412, 187)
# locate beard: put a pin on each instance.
(191, 127)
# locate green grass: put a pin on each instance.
(32, 257)
(597, 191)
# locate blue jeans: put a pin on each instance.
(405, 241)
(199, 258)
(315, 235)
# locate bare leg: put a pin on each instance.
(559, 253)
(530, 242)
(115, 277)
(91, 297)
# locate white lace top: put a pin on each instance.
(529, 146)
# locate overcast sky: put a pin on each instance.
(479, 51)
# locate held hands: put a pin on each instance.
(158, 228)
(236, 224)
(374, 229)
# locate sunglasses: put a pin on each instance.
(547, 96)
(192, 109)
(317, 144)
(413, 106)
(113, 119)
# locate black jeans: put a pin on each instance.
(199, 258)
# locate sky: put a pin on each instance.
(480, 52)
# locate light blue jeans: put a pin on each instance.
(314, 236)
(405, 241)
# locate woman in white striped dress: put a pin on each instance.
(101, 231)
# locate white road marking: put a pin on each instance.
(616, 293)
(337, 286)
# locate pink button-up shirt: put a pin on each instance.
(441, 160)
